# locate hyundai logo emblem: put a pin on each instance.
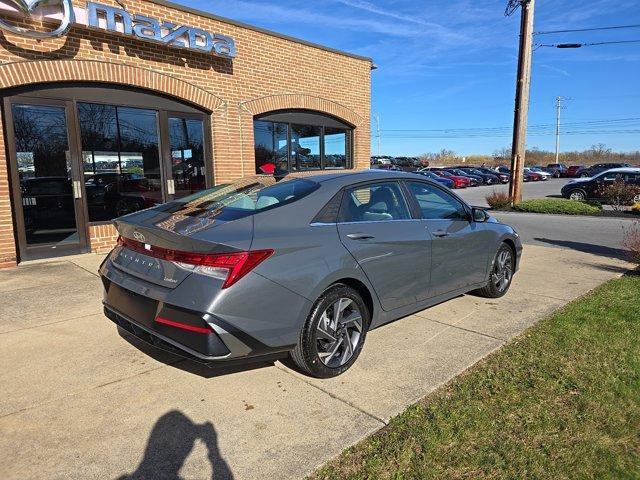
(139, 237)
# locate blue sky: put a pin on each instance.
(450, 64)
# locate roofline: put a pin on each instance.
(202, 13)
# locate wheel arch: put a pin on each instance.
(362, 290)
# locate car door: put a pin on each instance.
(460, 248)
(393, 249)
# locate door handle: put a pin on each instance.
(440, 234)
(360, 236)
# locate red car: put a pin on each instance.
(458, 182)
(573, 170)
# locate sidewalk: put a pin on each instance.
(81, 402)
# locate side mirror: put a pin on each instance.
(479, 215)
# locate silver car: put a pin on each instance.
(301, 265)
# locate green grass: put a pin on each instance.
(560, 402)
(557, 206)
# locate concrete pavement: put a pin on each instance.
(81, 402)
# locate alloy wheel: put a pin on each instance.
(636, 199)
(577, 195)
(503, 270)
(339, 332)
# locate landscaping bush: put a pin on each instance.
(557, 206)
(498, 200)
(631, 242)
(619, 194)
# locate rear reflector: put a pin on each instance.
(183, 326)
(229, 267)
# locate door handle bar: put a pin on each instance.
(440, 234)
(360, 236)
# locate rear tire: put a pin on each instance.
(502, 270)
(334, 333)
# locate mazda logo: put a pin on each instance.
(28, 8)
(139, 237)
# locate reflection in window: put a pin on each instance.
(310, 147)
(270, 146)
(121, 158)
(305, 147)
(186, 140)
(335, 147)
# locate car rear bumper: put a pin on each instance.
(201, 336)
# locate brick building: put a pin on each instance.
(113, 109)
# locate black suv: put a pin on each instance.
(594, 170)
(587, 188)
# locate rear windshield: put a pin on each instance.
(243, 197)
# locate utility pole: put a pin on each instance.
(377, 117)
(558, 108)
(525, 57)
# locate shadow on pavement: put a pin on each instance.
(170, 443)
(608, 252)
(190, 366)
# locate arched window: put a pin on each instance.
(299, 140)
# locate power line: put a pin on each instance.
(618, 27)
(580, 45)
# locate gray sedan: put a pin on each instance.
(301, 265)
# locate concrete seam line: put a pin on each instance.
(334, 396)
(52, 323)
(95, 274)
(78, 392)
(465, 329)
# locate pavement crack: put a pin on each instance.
(333, 395)
(465, 329)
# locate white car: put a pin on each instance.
(545, 175)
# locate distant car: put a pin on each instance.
(504, 178)
(447, 182)
(503, 169)
(594, 170)
(557, 169)
(540, 174)
(389, 167)
(573, 170)
(476, 180)
(488, 178)
(458, 181)
(587, 188)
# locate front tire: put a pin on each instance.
(334, 333)
(579, 195)
(502, 271)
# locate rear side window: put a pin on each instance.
(243, 197)
(437, 204)
(379, 202)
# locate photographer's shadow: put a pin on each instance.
(170, 443)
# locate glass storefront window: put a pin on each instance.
(282, 146)
(270, 146)
(121, 158)
(335, 148)
(186, 140)
(305, 147)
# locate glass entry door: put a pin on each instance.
(46, 180)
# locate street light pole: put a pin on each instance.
(523, 87)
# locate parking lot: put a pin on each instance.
(79, 401)
(550, 188)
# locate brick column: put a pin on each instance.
(8, 255)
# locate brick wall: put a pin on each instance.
(269, 73)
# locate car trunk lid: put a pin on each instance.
(170, 230)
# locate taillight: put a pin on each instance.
(229, 267)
